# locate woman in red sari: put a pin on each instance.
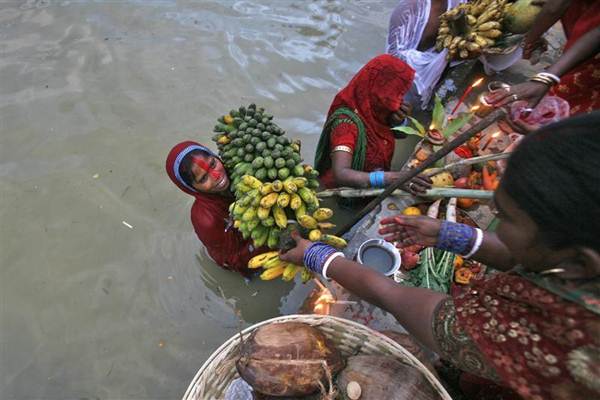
(357, 143)
(535, 327)
(199, 172)
(577, 71)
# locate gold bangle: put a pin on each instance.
(345, 149)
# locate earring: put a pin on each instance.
(552, 271)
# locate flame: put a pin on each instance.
(496, 134)
(477, 82)
(432, 126)
(475, 108)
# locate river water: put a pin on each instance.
(104, 290)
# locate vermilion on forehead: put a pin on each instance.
(200, 162)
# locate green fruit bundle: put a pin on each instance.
(468, 29)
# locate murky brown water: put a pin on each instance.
(92, 96)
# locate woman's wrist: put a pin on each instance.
(459, 238)
(318, 256)
(377, 179)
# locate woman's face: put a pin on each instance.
(521, 236)
(209, 175)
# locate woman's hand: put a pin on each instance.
(410, 230)
(418, 185)
(531, 92)
(296, 255)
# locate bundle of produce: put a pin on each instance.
(289, 359)
(470, 28)
(250, 143)
(440, 129)
(271, 187)
(436, 269)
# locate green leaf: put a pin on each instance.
(456, 124)
(439, 116)
(407, 130)
(417, 125)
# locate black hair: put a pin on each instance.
(554, 176)
(185, 168)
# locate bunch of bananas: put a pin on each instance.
(250, 143)
(469, 28)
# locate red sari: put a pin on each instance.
(375, 92)
(209, 215)
(542, 340)
(581, 85)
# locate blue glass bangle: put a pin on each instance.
(316, 255)
(376, 179)
(456, 238)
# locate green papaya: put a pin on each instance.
(272, 173)
(291, 164)
(249, 157)
(268, 162)
(261, 174)
(260, 146)
(298, 170)
(280, 162)
(283, 173)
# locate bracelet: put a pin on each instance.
(456, 238)
(376, 179)
(346, 149)
(545, 81)
(328, 263)
(316, 256)
(477, 244)
(550, 76)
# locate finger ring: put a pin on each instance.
(515, 97)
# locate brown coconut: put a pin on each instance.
(384, 377)
(288, 359)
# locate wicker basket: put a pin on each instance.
(213, 378)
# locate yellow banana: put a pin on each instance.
(290, 272)
(263, 213)
(334, 241)
(272, 273)
(269, 200)
(283, 200)
(308, 222)
(323, 214)
(251, 181)
(277, 185)
(260, 260)
(325, 225)
(289, 186)
(280, 217)
(249, 214)
(266, 188)
(314, 235)
(306, 275)
(272, 262)
(223, 139)
(300, 211)
(228, 119)
(300, 181)
(295, 201)
(237, 223)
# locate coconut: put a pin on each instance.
(383, 377)
(520, 15)
(288, 359)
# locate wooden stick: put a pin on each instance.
(468, 161)
(431, 193)
(406, 176)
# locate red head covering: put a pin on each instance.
(209, 214)
(375, 92)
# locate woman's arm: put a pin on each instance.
(532, 92)
(424, 231)
(551, 12)
(344, 175)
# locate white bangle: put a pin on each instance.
(555, 78)
(328, 262)
(477, 244)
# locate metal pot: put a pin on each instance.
(379, 255)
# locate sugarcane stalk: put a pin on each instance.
(468, 161)
(434, 193)
(406, 176)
